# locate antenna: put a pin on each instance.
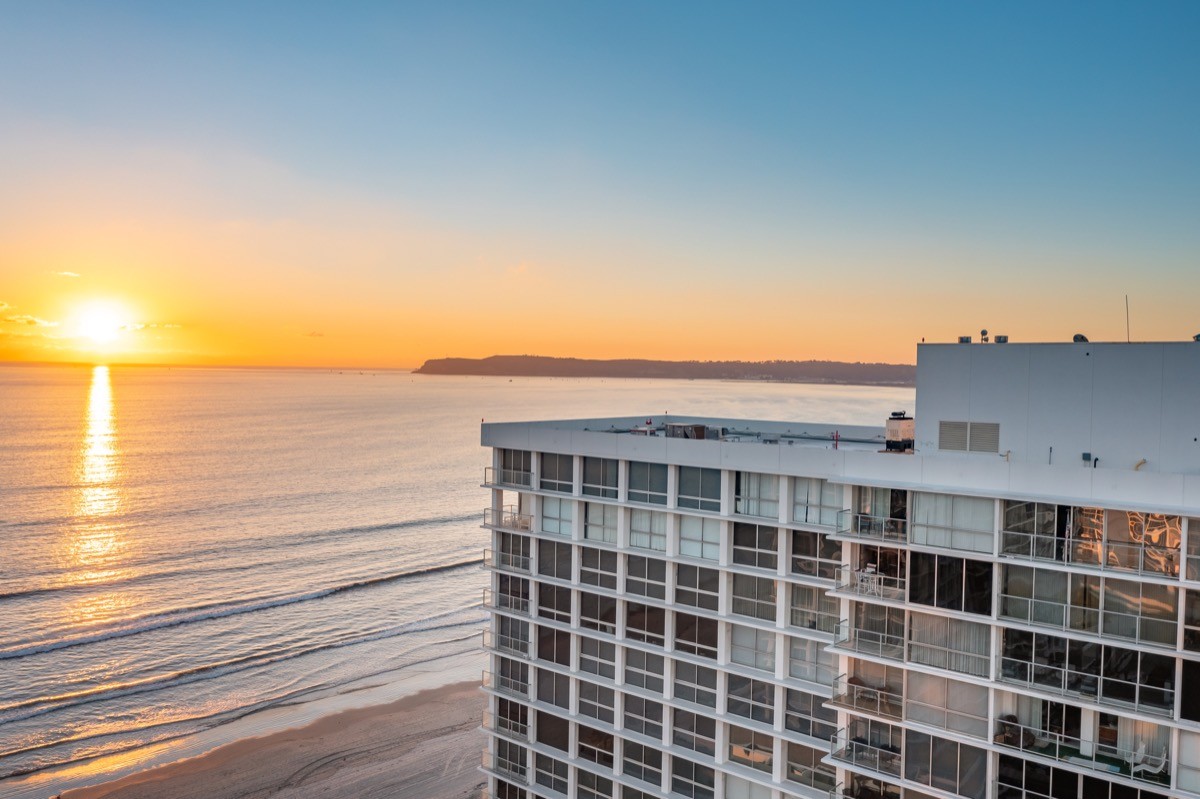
(1126, 318)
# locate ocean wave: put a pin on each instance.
(216, 610)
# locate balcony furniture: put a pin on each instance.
(1140, 762)
(869, 582)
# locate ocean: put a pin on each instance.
(184, 547)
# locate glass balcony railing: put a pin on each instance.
(495, 599)
(509, 769)
(506, 561)
(1158, 700)
(510, 728)
(864, 525)
(506, 685)
(1149, 762)
(1061, 616)
(859, 752)
(507, 477)
(1139, 558)
(853, 693)
(868, 642)
(868, 583)
(507, 518)
(505, 643)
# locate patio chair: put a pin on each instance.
(1150, 765)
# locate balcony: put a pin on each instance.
(852, 693)
(507, 518)
(875, 528)
(1092, 553)
(868, 642)
(508, 686)
(1062, 616)
(510, 728)
(1060, 679)
(512, 478)
(508, 769)
(506, 561)
(505, 643)
(858, 752)
(869, 583)
(1148, 763)
(494, 599)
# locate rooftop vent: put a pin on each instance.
(1000, 339)
(964, 339)
(1079, 338)
(901, 432)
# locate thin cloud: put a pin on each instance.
(518, 270)
(26, 319)
(4, 306)
(65, 274)
(314, 334)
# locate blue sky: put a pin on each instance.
(959, 157)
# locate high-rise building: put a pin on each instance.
(998, 597)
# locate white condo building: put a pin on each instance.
(997, 598)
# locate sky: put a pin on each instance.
(374, 185)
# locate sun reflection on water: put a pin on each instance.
(95, 546)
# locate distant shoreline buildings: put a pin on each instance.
(998, 598)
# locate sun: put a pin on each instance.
(100, 323)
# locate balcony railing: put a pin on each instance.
(507, 518)
(869, 583)
(857, 751)
(1140, 558)
(853, 693)
(505, 643)
(1062, 616)
(495, 599)
(864, 525)
(510, 728)
(509, 769)
(1068, 682)
(505, 685)
(1148, 763)
(507, 477)
(868, 642)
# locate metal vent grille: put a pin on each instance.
(952, 435)
(985, 437)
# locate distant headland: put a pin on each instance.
(866, 374)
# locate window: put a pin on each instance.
(952, 522)
(512, 716)
(600, 477)
(945, 764)
(510, 757)
(593, 786)
(1034, 530)
(556, 515)
(756, 494)
(1019, 778)
(648, 530)
(809, 661)
(954, 644)
(644, 716)
(644, 670)
(596, 701)
(597, 657)
(949, 704)
(646, 577)
(806, 714)
(695, 684)
(756, 545)
(554, 688)
(600, 522)
(598, 567)
(1191, 618)
(952, 583)
(648, 483)
(512, 593)
(642, 762)
(695, 731)
(558, 472)
(751, 647)
(1145, 612)
(750, 698)
(751, 748)
(1142, 542)
(596, 746)
(512, 635)
(513, 676)
(516, 466)
(554, 646)
(691, 779)
(804, 766)
(554, 603)
(754, 597)
(813, 609)
(598, 613)
(551, 773)
(696, 635)
(697, 586)
(816, 501)
(506, 790)
(645, 623)
(699, 538)
(699, 488)
(554, 560)
(815, 554)
(1193, 550)
(514, 551)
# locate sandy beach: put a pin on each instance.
(424, 746)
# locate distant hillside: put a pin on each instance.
(889, 374)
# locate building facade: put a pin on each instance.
(1000, 599)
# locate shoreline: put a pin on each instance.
(422, 745)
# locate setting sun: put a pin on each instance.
(100, 322)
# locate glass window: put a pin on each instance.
(648, 483)
(816, 501)
(815, 554)
(600, 477)
(751, 647)
(644, 670)
(516, 466)
(554, 560)
(556, 515)
(554, 603)
(804, 766)
(558, 472)
(648, 530)
(750, 698)
(596, 701)
(699, 538)
(600, 522)
(512, 635)
(754, 597)
(952, 583)
(756, 494)
(510, 757)
(646, 577)
(695, 684)
(806, 714)
(598, 612)
(696, 635)
(948, 765)
(597, 657)
(699, 488)
(697, 586)
(643, 716)
(554, 646)
(1191, 617)
(809, 661)
(694, 731)
(756, 545)
(551, 773)
(953, 522)
(642, 762)
(1034, 530)
(553, 688)
(644, 623)
(593, 786)
(514, 551)
(813, 609)
(954, 644)
(751, 748)
(598, 567)
(691, 779)
(949, 704)
(596, 746)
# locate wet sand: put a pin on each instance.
(424, 746)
